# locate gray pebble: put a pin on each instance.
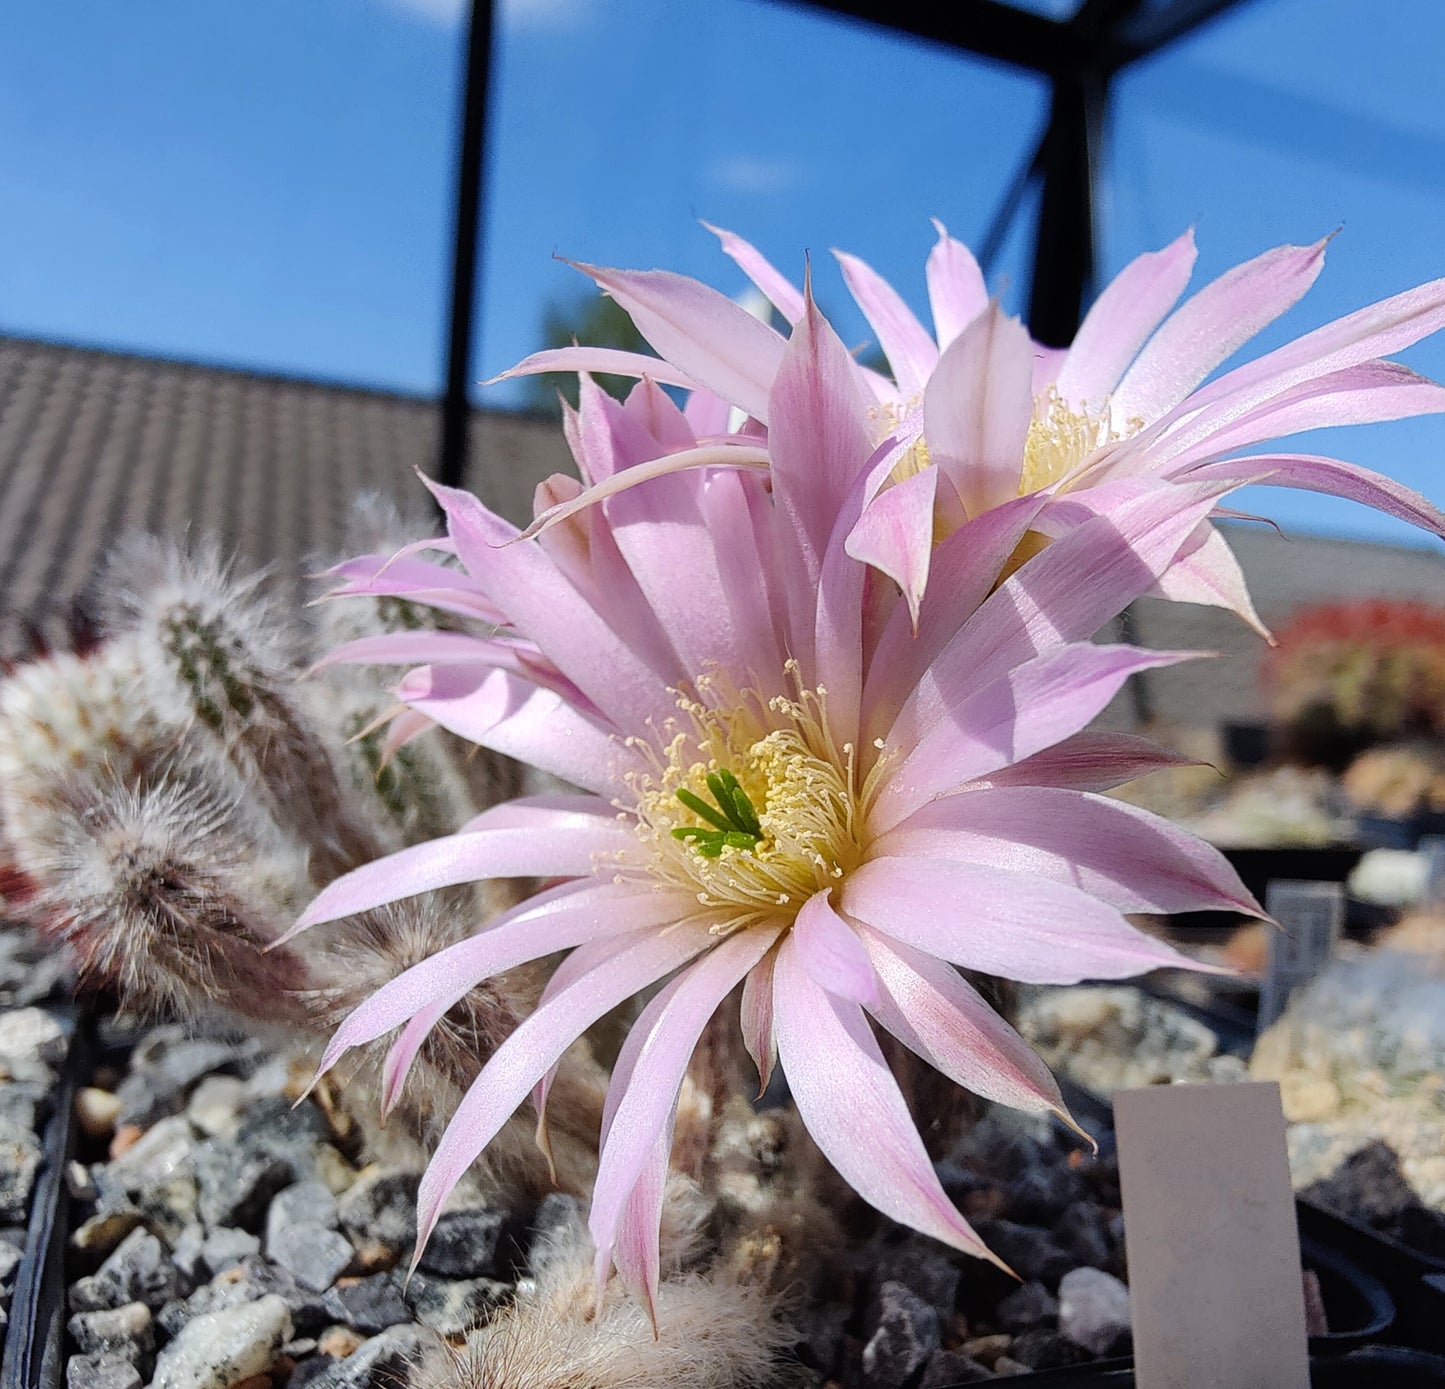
(315, 1256)
(1042, 1349)
(139, 1270)
(379, 1363)
(947, 1368)
(903, 1332)
(32, 1035)
(101, 1372)
(222, 1348)
(305, 1203)
(156, 1156)
(557, 1230)
(124, 1330)
(464, 1244)
(251, 1279)
(272, 1128)
(369, 1304)
(236, 1185)
(215, 1105)
(381, 1205)
(453, 1308)
(931, 1274)
(24, 1103)
(224, 1248)
(1093, 1308)
(1028, 1306)
(19, 1162)
(10, 1258)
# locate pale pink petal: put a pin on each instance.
(911, 352)
(403, 726)
(956, 291)
(977, 410)
(550, 810)
(1048, 362)
(403, 1052)
(611, 360)
(1015, 925)
(853, 1108)
(1332, 476)
(643, 1093)
(1123, 316)
(654, 410)
(405, 648)
(756, 1018)
(1363, 394)
(1091, 761)
(940, 1016)
(531, 852)
(460, 676)
(707, 413)
(1213, 325)
(779, 291)
(1134, 861)
(962, 572)
(831, 952)
(718, 344)
(637, 1248)
(819, 441)
(1063, 595)
(842, 584)
(513, 716)
(895, 535)
(1030, 708)
(535, 1046)
(1206, 572)
(555, 919)
(704, 456)
(433, 585)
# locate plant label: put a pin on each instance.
(1310, 917)
(1215, 1291)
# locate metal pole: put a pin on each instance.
(455, 404)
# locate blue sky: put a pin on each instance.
(270, 184)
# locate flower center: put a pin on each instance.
(750, 805)
(1060, 439)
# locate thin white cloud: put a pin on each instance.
(747, 173)
(531, 15)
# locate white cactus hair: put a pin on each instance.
(713, 1330)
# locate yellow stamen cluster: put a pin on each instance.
(809, 792)
(1060, 439)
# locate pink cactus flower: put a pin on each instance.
(993, 416)
(786, 783)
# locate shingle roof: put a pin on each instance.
(93, 444)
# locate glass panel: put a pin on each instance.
(619, 123)
(1273, 125)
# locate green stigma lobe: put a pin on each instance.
(735, 821)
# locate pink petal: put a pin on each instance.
(1212, 326)
(717, 343)
(707, 413)
(939, 1016)
(1015, 925)
(831, 953)
(537, 726)
(637, 1248)
(911, 353)
(557, 919)
(551, 810)
(756, 1017)
(654, 411)
(534, 852)
(1206, 572)
(1030, 708)
(819, 441)
(977, 409)
(1134, 861)
(956, 291)
(1090, 761)
(536, 1045)
(610, 360)
(842, 582)
(549, 611)
(649, 1071)
(1128, 310)
(853, 1108)
(895, 535)
(962, 572)
(1332, 476)
(450, 590)
(404, 649)
(779, 291)
(1065, 594)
